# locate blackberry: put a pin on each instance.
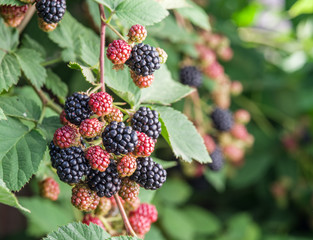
(51, 11)
(191, 76)
(76, 108)
(149, 175)
(119, 139)
(222, 119)
(70, 163)
(217, 159)
(147, 121)
(143, 60)
(105, 183)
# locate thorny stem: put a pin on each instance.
(102, 46)
(28, 16)
(114, 30)
(128, 227)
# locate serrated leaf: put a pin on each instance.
(75, 231)
(9, 71)
(90, 50)
(161, 90)
(30, 62)
(139, 12)
(203, 221)
(21, 150)
(20, 107)
(2, 116)
(55, 84)
(121, 84)
(196, 15)
(8, 37)
(182, 135)
(48, 126)
(12, 2)
(8, 198)
(45, 216)
(30, 43)
(301, 7)
(110, 4)
(172, 4)
(86, 71)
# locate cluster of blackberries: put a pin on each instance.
(103, 156)
(142, 59)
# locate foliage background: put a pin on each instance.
(270, 197)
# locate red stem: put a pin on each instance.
(102, 46)
(128, 227)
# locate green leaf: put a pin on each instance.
(175, 191)
(165, 164)
(45, 216)
(172, 4)
(203, 221)
(161, 90)
(182, 135)
(216, 179)
(8, 36)
(12, 2)
(48, 126)
(301, 7)
(20, 107)
(154, 234)
(196, 15)
(110, 4)
(8, 198)
(139, 12)
(121, 84)
(86, 71)
(21, 150)
(2, 116)
(30, 43)
(75, 231)
(90, 50)
(55, 84)
(9, 71)
(29, 61)
(177, 224)
(146, 196)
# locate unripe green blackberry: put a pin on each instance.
(129, 190)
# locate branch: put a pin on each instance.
(102, 46)
(47, 101)
(128, 227)
(28, 16)
(114, 30)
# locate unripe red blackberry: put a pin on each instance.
(137, 33)
(239, 131)
(242, 116)
(13, 15)
(118, 51)
(51, 11)
(146, 210)
(225, 53)
(66, 136)
(129, 190)
(144, 60)
(236, 88)
(49, 188)
(209, 143)
(101, 103)
(233, 153)
(83, 198)
(127, 166)
(145, 145)
(63, 119)
(141, 81)
(98, 158)
(206, 54)
(90, 128)
(46, 27)
(133, 205)
(214, 70)
(116, 115)
(88, 218)
(140, 224)
(104, 206)
(162, 55)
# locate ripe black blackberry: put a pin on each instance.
(70, 163)
(217, 159)
(143, 60)
(119, 139)
(191, 76)
(76, 108)
(222, 119)
(51, 11)
(149, 174)
(106, 183)
(147, 121)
